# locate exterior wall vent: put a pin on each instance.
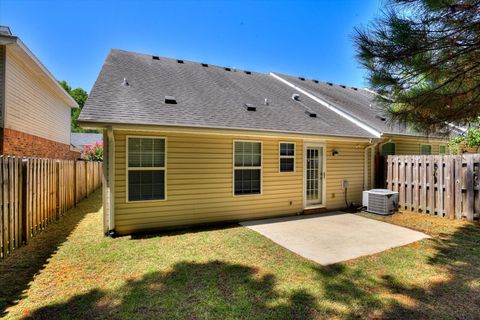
(170, 100)
(155, 57)
(179, 61)
(250, 107)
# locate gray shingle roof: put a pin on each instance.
(206, 97)
(78, 140)
(359, 103)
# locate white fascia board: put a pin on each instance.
(345, 115)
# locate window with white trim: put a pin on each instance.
(247, 167)
(146, 168)
(425, 149)
(287, 157)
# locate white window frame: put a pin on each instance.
(444, 145)
(247, 168)
(127, 169)
(426, 144)
(280, 157)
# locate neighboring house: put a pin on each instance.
(189, 143)
(82, 139)
(35, 111)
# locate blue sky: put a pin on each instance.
(303, 38)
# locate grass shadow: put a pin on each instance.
(454, 296)
(18, 269)
(211, 290)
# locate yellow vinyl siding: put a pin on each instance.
(411, 146)
(31, 106)
(347, 164)
(199, 184)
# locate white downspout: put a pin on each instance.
(111, 177)
(366, 184)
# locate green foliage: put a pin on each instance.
(80, 96)
(471, 139)
(424, 56)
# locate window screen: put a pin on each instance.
(388, 149)
(442, 149)
(146, 169)
(287, 157)
(425, 149)
(248, 167)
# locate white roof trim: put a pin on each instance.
(345, 115)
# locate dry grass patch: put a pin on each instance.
(73, 272)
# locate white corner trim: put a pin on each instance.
(330, 107)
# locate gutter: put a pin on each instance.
(345, 115)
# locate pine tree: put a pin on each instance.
(423, 58)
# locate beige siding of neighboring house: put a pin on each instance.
(31, 106)
(199, 179)
(405, 146)
(411, 146)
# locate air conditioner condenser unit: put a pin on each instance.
(380, 201)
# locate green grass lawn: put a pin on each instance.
(73, 272)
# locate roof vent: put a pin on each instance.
(250, 107)
(296, 97)
(155, 57)
(343, 86)
(266, 102)
(316, 81)
(330, 84)
(355, 88)
(204, 64)
(248, 72)
(227, 69)
(311, 114)
(125, 82)
(170, 100)
(179, 61)
(301, 78)
(381, 117)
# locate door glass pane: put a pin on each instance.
(314, 175)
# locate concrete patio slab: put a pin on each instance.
(334, 237)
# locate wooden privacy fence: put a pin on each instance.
(35, 192)
(444, 185)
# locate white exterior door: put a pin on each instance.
(314, 176)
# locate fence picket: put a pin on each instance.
(448, 186)
(35, 192)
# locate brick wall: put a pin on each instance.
(20, 144)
